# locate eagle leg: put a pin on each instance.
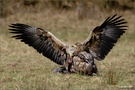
(94, 70)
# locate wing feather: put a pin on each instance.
(44, 42)
(102, 39)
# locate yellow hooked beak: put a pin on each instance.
(70, 55)
(70, 58)
(75, 46)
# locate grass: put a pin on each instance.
(22, 68)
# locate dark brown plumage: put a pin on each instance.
(78, 57)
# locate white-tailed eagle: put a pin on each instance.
(73, 58)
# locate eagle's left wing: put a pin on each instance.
(102, 39)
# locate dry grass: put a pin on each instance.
(22, 68)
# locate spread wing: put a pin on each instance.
(102, 39)
(44, 42)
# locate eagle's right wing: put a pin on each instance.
(43, 41)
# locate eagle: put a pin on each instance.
(77, 58)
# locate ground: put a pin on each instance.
(22, 68)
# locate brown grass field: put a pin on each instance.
(22, 68)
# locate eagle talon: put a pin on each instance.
(60, 70)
